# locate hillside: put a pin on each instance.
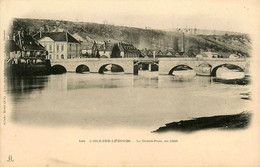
(141, 38)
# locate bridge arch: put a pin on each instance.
(82, 68)
(114, 68)
(180, 67)
(227, 65)
(58, 69)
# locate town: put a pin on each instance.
(59, 51)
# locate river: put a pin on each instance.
(145, 101)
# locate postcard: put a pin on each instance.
(129, 83)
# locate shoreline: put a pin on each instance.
(221, 122)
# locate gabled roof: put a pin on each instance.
(159, 52)
(28, 43)
(171, 52)
(56, 36)
(149, 52)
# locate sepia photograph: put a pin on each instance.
(129, 83)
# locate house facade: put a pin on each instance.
(23, 47)
(128, 50)
(60, 45)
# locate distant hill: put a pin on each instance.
(204, 31)
(224, 43)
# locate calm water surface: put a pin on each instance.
(95, 100)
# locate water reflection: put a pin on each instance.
(146, 79)
(119, 100)
(21, 85)
(228, 74)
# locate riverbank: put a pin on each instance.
(225, 122)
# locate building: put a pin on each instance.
(60, 45)
(108, 49)
(31, 50)
(124, 50)
(159, 53)
(147, 53)
(128, 50)
(86, 49)
(25, 56)
(168, 54)
(12, 50)
(105, 50)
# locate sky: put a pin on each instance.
(232, 15)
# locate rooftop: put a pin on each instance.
(56, 36)
(27, 42)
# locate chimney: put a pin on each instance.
(154, 54)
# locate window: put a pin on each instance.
(58, 48)
(50, 47)
(50, 56)
(57, 57)
(70, 46)
(62, 47)
(62, 56)
(69, 57)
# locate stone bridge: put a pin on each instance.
(94, 65)
(166, 65)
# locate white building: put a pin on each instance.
(60, 45)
